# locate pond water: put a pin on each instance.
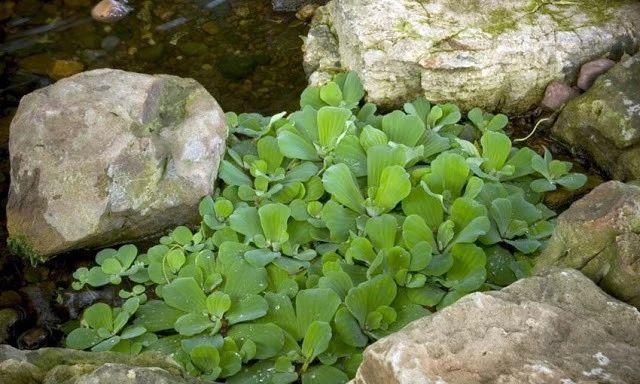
(246, 55)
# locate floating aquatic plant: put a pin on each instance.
(332, 227)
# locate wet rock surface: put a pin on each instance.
(600, 236)
(557, 328)
(604, 122)
(471, 53)
(58, 365)
(109, 156)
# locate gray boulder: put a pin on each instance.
(490, 54)
(604, 122)
(67, 366)
(558, 328)
(600, 235)
(109, 156)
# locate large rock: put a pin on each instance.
(492, 54)
(605, 121)
(66, 366)
(560, 328)
(599, 235)
(109, 156)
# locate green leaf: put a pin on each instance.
(185, 294)
(572, 181)
(206, 358)
(273, 218)
(127, 254)
(233, 175)
(218, 303)
(468, 270)
(368, 296)
(269, 151)
(330, 93)
(394, 187)
(98, 316)
(427, 206)
(428, 295)
(295, 146)
(403, 129)
(338, 219)
(348, 329)
(82, 338)
(382, 231)
(260, 257)
(496, 147)
(182, 235)
(156, 316)
(176, 259)
(371, 136)
(415, 230)
(340, 183)
(338, 281)
(324, 374)
(332, 123)
(449, 173)
(246, 220)
(268, 338)
(350, 152)
(352, 90)
(111, 266)
(316, 340)
(315, 304)
(193, 324)
(246, 308)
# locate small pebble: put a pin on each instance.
(33, 338)
(590, 71)
(110, 11)
(557, 94)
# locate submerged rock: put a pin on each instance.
(604, 122)
(58, 365)
(599, 236)
(110, 11)
(558, 328)
(293, 5)
(109, 156)
(489, 54)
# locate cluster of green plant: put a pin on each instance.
(333, 227)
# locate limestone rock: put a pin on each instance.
(490, 54)
(558, 328)
(600, 235)
(109, 156)
(59, 365)
(604, 122)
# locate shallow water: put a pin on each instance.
(245, 54)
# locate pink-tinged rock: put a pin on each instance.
(590, 71)
(557, 94)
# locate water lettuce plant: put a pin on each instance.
(331, 228)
